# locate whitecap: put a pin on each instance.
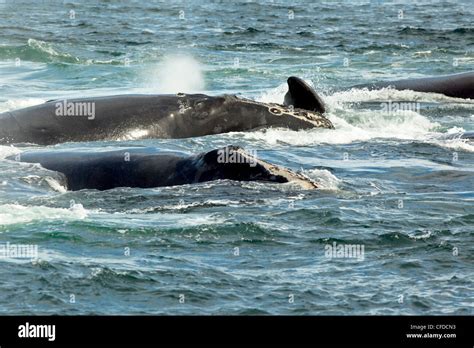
(16, 213)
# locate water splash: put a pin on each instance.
(16, 213)
(177, 73)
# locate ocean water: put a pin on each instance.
(392, 184)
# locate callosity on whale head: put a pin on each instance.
(229, 113)
(249, 168)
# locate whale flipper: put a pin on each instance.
(303, 96)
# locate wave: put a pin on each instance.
(20, 214)
(45, 52)
(384, 94)
(351, 124)
(355, 124)
(36, 51)
(454, 142)
(252, 30)
(410, 30)
(6, 151)
(249, 31)
(306, 34)
(324, 178)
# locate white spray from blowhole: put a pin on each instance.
(177, 73)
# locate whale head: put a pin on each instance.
(234, 163)
(204, 115)
(303, 96)
(250, 115)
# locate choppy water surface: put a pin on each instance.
(390, 182)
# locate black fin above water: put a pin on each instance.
(303, 96)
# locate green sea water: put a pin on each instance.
(391, 182)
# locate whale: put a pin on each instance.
(140, 116)
(130, 117)
(459, 85)
(468, 135)
(147, 167)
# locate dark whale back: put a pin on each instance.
(457, 85)
(126, 117)
(147, 167)
(469, 136)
